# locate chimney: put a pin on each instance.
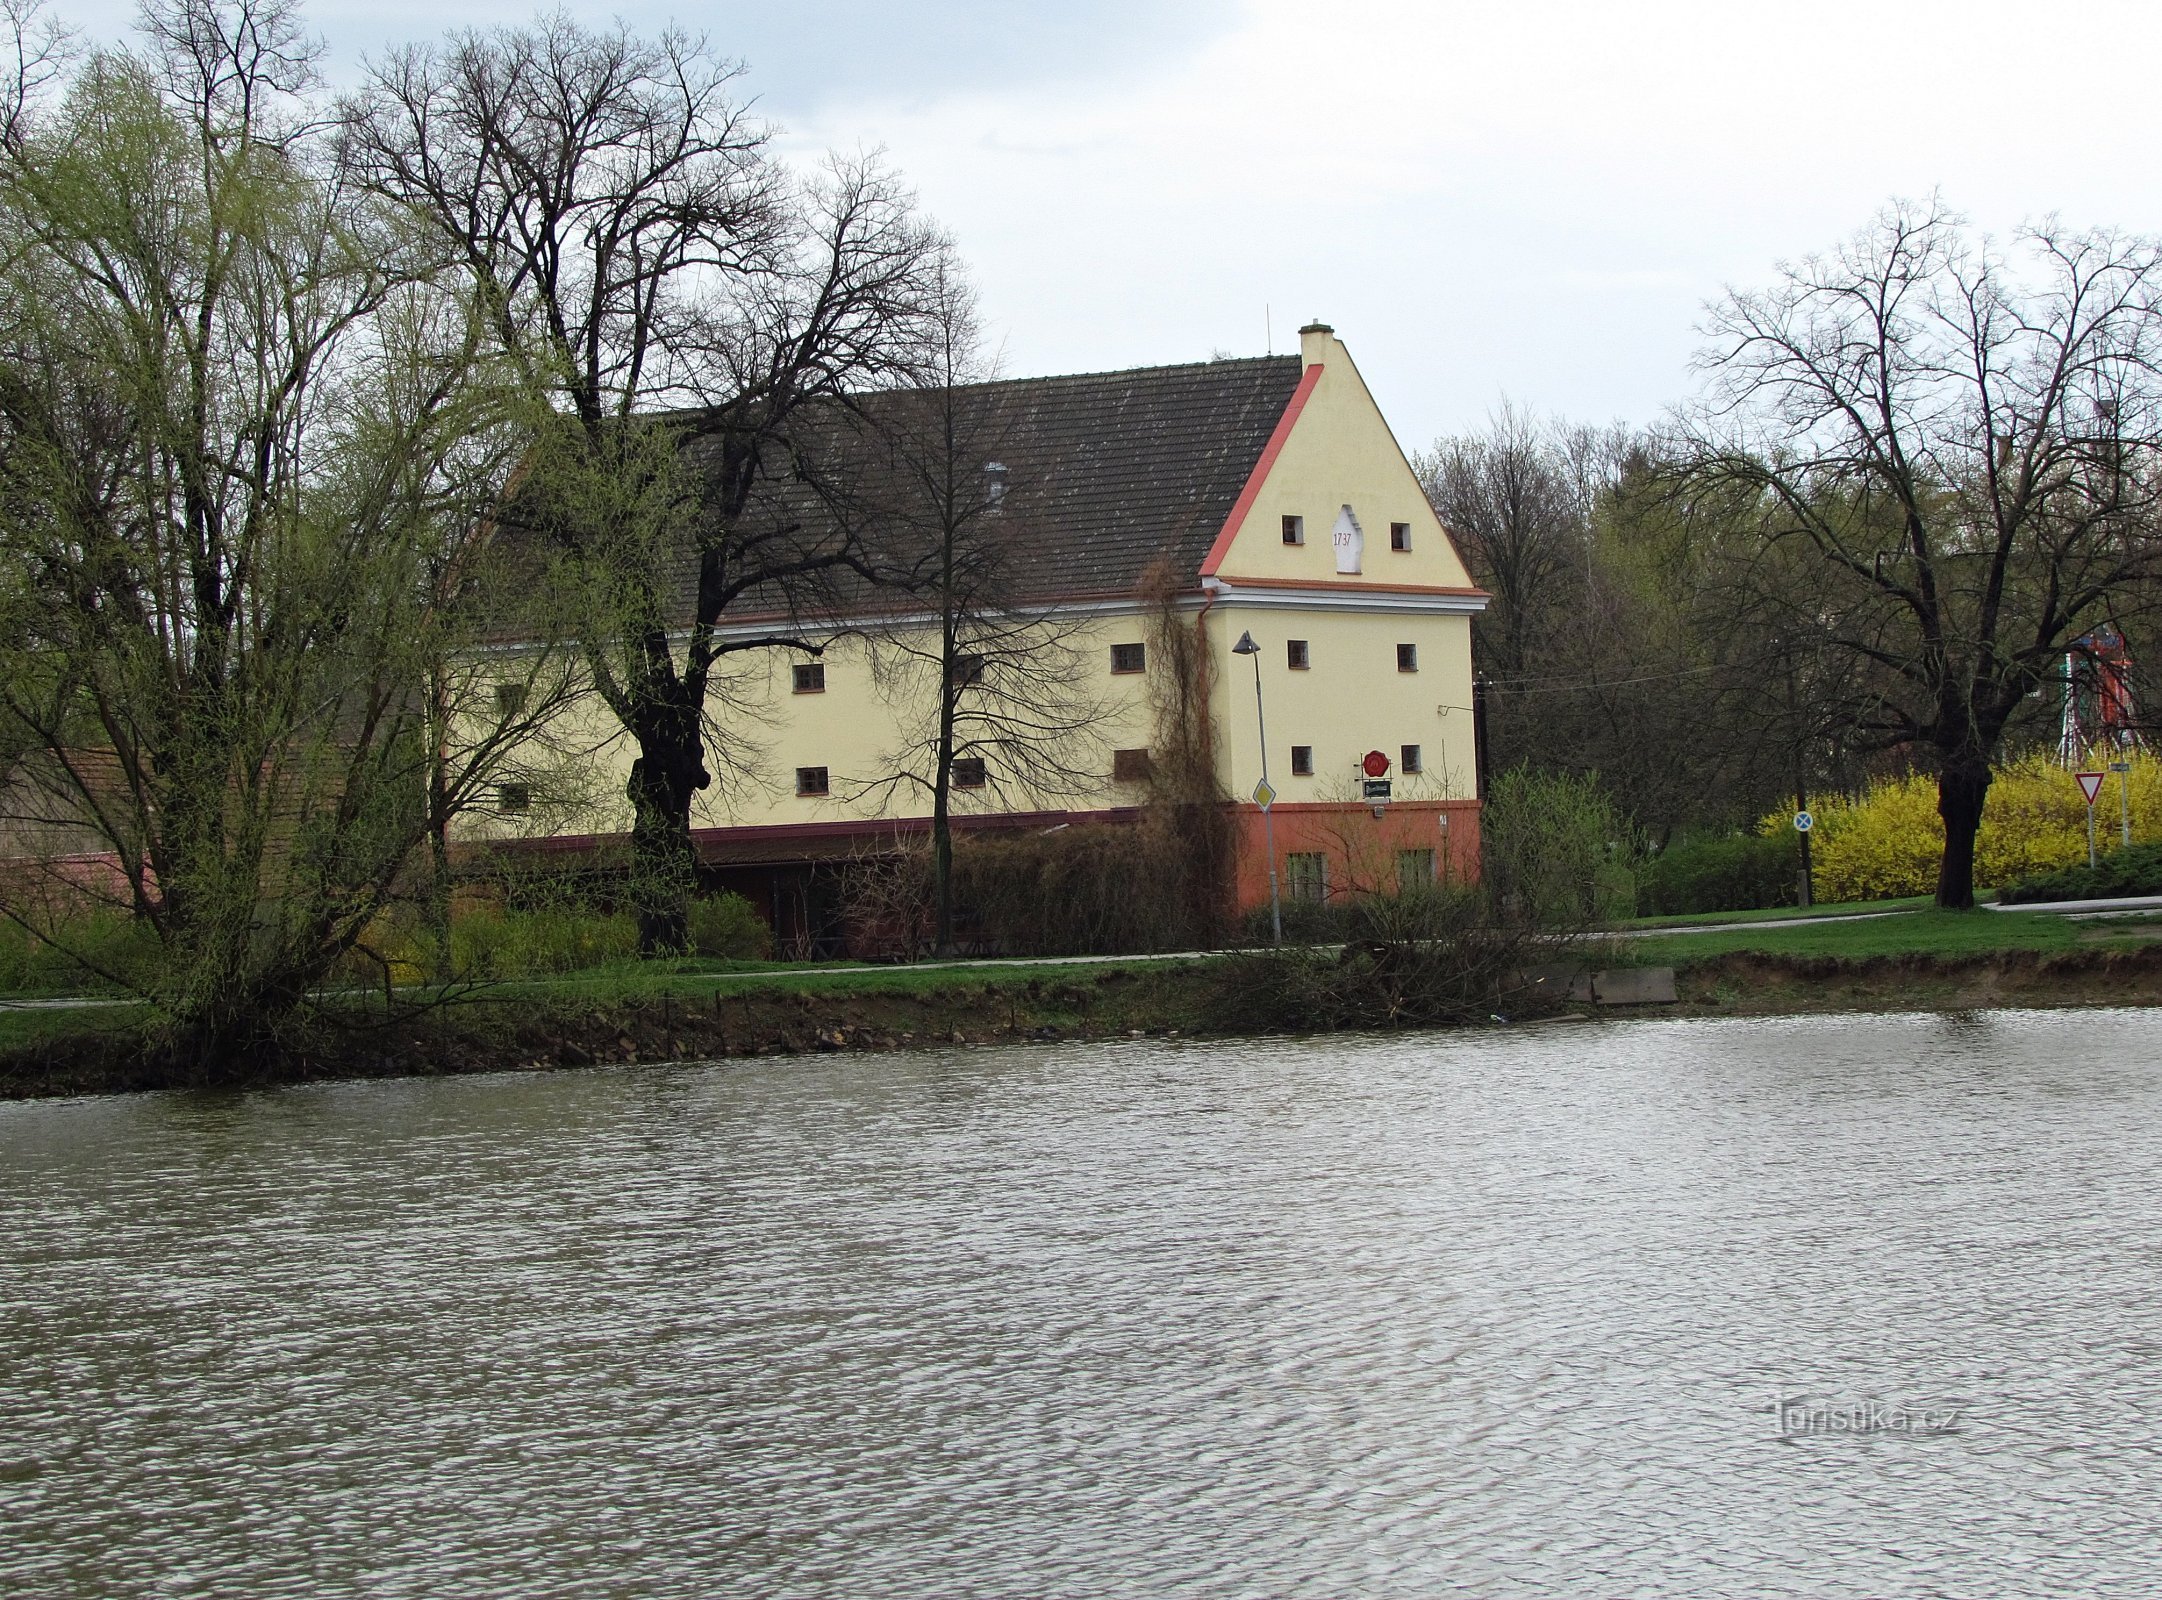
(1314, 341)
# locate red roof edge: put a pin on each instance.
(1254, 479)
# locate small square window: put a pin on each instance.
(967, 671)
(1128, 657)
(1131, 766)
(1410, 760)
(1295, 654)
(811, 780)
(810, 677)
(1294, 530)
(509, 699)
(968, 772)
(514, 799)
(1407, 658)
(1399, 536)
(1302, 761)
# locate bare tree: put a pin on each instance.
(1518, 497)
(1967, 457)
(639, 248)
(990, 678)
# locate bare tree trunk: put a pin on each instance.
(942, 778)
(1961, 788)
(439, 824)
(669, 772)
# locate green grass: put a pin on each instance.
(22, 1029)
(651, 980)
(1947, 933)
(1845, 908)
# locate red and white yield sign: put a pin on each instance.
(1376, 765)
(2090, 784)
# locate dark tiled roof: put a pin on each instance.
(1106, 471)
(1115, 469)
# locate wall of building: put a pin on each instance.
(867, 719)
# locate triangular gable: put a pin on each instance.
(1333, 463)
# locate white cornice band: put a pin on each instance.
(1322, 597)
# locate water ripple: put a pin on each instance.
(1504, 1314)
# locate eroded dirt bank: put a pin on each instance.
(498, 1036)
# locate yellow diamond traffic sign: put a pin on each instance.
(1264, 795)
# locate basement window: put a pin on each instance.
(968, 772)
(1302, 761)
(1410, 760)
(1308, 872)
(1295, 654)
(811, 780)
(1128, 657)
(810, 677)
(1407, 658)
(1294, 530)
(1131, 766)
(1399, 536)
(1414, 871)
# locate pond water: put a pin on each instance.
(1820, 1306)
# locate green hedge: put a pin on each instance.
(2132, 871)
(1739, 873)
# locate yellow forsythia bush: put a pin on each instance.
(1890, 841)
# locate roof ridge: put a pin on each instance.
(1214, 365)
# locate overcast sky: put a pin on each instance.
(1514, 196)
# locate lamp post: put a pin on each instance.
(1247, 647)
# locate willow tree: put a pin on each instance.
(688, 309)
(239, 427)
(1957, 445)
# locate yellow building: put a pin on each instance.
(1276, 499)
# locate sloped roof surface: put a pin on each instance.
(1115, 469)
(1105, 472)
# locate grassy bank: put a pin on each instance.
(695, 1010)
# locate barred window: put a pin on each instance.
(509, 699)
(1407, 658)
(1307, 875)
(1414, 870)
(1128, 657)
(1131, 766)
(810, 677)
(514, 799)
(811, 780)
(967, 670)
(968, 772)
(1295, 654)
(1410, 759)
(1302, 761)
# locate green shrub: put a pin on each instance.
(1557, 852)
(1742, 872)
(727, 927)
(79, 954)
(523, 944)
(2135, 870)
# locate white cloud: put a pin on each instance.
(1531, 197)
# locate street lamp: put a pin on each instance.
(1247, 647)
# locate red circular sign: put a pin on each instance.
(1375, 763)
